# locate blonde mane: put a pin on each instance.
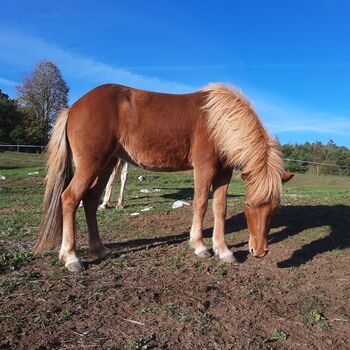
(243, 142)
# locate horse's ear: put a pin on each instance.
(287, 176)
(244, 176)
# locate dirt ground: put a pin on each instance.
(155, 294)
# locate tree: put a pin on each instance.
(42, 94)
(11, 120)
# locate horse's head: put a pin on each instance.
(259, 221)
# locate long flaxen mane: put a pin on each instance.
(243, 142)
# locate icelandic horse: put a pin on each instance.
(211, 131)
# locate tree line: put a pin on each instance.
(334, 159)
(28, 118)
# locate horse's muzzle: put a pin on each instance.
(255, 254)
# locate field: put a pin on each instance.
(155, 293)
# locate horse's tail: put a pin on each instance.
(59, 174)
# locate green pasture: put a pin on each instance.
(21, 198)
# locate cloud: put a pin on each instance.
(281, 116)
(6, 82)
(21, 51)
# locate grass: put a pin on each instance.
(279, 334)
(21, 200)
(311, 313)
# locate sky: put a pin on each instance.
(291, 58)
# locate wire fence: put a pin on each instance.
(321, 168)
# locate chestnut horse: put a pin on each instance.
(212, 131)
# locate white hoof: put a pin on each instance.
(75, 266)
(202, 252)
(227, 257)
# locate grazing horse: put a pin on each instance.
(122, 169)
(212, 131)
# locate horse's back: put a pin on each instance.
(154, 130)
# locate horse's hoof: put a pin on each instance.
(204, 253)
(75, 267)
(228, 258)
(106, 253)
(103, 207)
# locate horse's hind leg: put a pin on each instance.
(109, 187)
(90, 201)
(220, 186)
(83, 178)
(123, 179)
(203, 176)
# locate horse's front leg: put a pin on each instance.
(202, 180)
(220, 186)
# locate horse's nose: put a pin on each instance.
(256, 254)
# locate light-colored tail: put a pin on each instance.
(58, 177)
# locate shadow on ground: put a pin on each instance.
(188, 193)
(293, 219)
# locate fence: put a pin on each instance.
(317, 165)
(24, 148)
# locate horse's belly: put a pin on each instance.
(159, 158)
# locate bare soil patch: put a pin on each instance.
(155, 294)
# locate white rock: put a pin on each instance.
(146, 209)
(134, 214)
(34, 173)
(179, 204)
(2, 177)
(146, 190)
(141, 178)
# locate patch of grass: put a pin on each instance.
(178, 260)
(66, 314)
(199, 266)
(220, 327)
(123, 262)
(9, 285)
(279, 334)
(262, 339)
(290, 285)
(170, 309)
(249, 292)
(199, 319)
(32, 275)
(337, 253)
(13, 260)
(143, 343)
(311, 313)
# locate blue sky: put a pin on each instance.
(291, 58)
